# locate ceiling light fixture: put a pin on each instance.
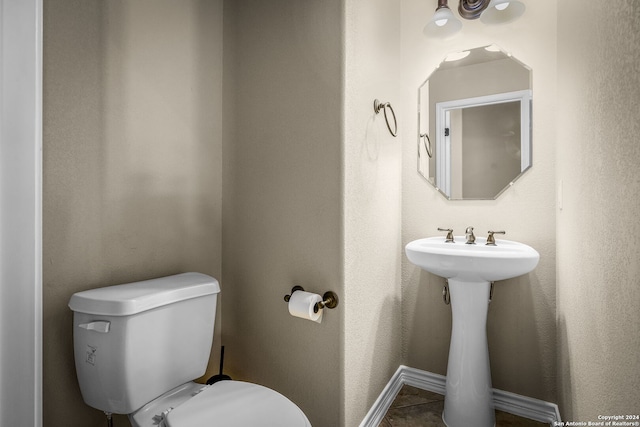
(445, 24)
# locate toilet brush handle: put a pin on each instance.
(221, 358)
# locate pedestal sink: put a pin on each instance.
(470, 269)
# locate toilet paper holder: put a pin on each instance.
(329, 299)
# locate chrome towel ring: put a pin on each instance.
(377, 106)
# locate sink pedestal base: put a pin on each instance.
(469, 394)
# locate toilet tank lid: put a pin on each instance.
(136, 297)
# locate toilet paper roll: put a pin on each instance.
(301, 305)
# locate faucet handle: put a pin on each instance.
(449, 238)
(491, 241)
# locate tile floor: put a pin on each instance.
(420, 408)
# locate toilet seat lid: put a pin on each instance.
(237, 404)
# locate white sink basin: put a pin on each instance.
(471, 263)
(469, 269)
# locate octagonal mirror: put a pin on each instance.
(474, 124)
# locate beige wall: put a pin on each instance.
(598, 156)
(371, 186)
(282, 223)
(132, 160)
(312, 186)
(521, 324)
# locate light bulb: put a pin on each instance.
(502, 11)
(443, 24)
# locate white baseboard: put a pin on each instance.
(512, 403)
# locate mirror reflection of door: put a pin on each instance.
(482, 138)
(482, 144)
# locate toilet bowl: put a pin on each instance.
(225, 403)
(139, 346)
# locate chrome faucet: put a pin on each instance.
(471, 238)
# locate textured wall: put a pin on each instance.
(372, 182)
(521, 324)
(313, 185)
(132, 160)
(598, 158)
(282, 223)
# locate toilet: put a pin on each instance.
(139, 346)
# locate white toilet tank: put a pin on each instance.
(133, 342)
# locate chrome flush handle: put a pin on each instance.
(491, 241)
(449, 238)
